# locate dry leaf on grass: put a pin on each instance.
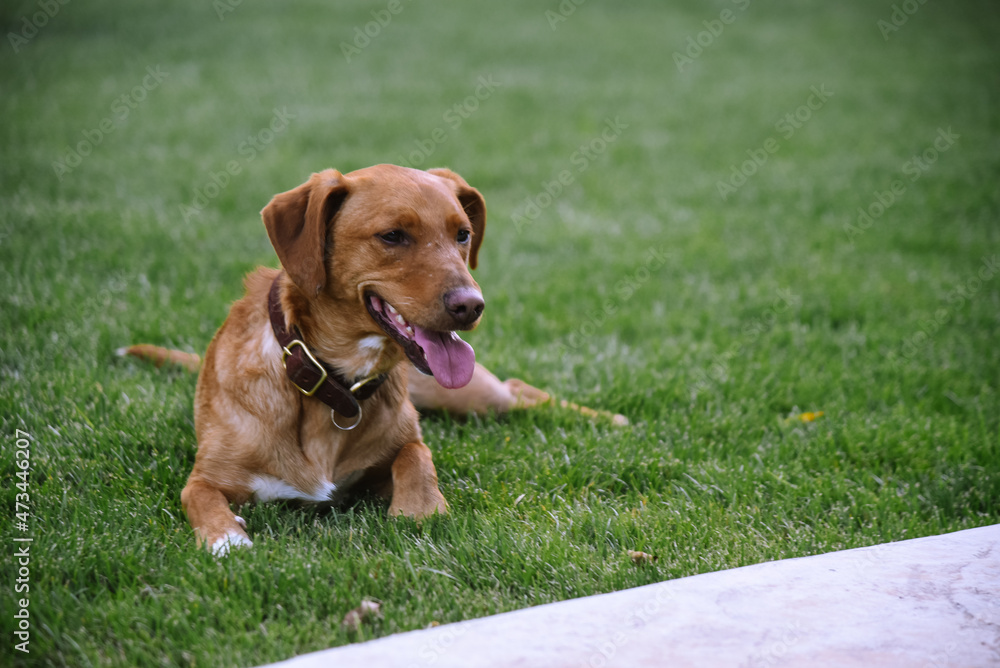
(367, 610)
(640, 558)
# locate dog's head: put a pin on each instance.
(393, 245)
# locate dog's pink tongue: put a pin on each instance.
(451, 359)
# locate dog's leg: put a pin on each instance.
(415, 490)
(486, 393)
(215, 525)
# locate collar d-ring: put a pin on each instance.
(333, 418)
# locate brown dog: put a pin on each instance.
(375, 273)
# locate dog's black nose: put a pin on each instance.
(464, 305)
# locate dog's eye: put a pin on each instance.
(393, 237)
(463, 236)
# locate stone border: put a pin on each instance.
(926, 602)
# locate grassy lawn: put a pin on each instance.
(711, 217)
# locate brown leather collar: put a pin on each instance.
(312, 376)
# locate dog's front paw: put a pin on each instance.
(232, 538)
(425, 504)
(415, 490)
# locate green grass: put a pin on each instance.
(766, 306)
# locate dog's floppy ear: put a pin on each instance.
(474, 205)
(296, 223)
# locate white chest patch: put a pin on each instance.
(372, 343)
(268, 488)
(268, 345)
(370, 350)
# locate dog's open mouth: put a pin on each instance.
(440, 354)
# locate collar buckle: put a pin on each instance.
(364, 381)
(287, 352)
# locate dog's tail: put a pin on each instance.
(160, 356)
